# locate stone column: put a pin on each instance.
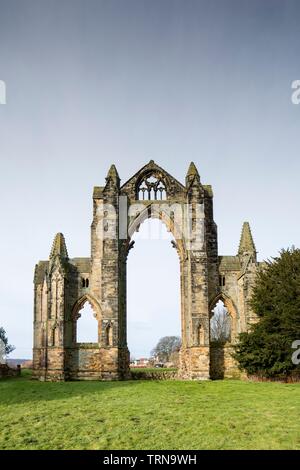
(194, 272)
(107, 278)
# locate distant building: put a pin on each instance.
(142, 362)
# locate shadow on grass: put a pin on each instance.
(24, 389)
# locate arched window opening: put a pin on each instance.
(161, 191)
(84, 282)
(53, 335)
(87, 326)
(109, 335)
(143, 191)
(220, 324)
(221, 280)
(200, 336)
(151, 189)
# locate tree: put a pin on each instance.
(5, 348)
(165, 347)
(266, 349)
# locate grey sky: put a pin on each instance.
(95, 82)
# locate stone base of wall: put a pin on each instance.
(194, 363)
(222, 364)
(89, 362)
(83, 362)
(6, 371)
(48, 364)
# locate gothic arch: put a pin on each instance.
(109, 334)
(155, 211)
(75, 315)
(231, 309)
(80, 303)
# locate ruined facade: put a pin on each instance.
(62, 285)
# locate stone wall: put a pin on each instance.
(222, 364)
(6, 371)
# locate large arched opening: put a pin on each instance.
(87, 325)
(223, 332)
(153, 289)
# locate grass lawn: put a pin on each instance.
(149, 415)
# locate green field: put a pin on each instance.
(149, 415)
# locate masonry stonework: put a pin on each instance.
(63, 285)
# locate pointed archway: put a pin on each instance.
(231, 310)
(86, 316)
(153, 288)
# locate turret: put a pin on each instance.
(192, 175)
(247, 247)
(59, 248)
(113, 177)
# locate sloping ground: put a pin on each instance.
(149, 415)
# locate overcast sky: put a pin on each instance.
(90, 83)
